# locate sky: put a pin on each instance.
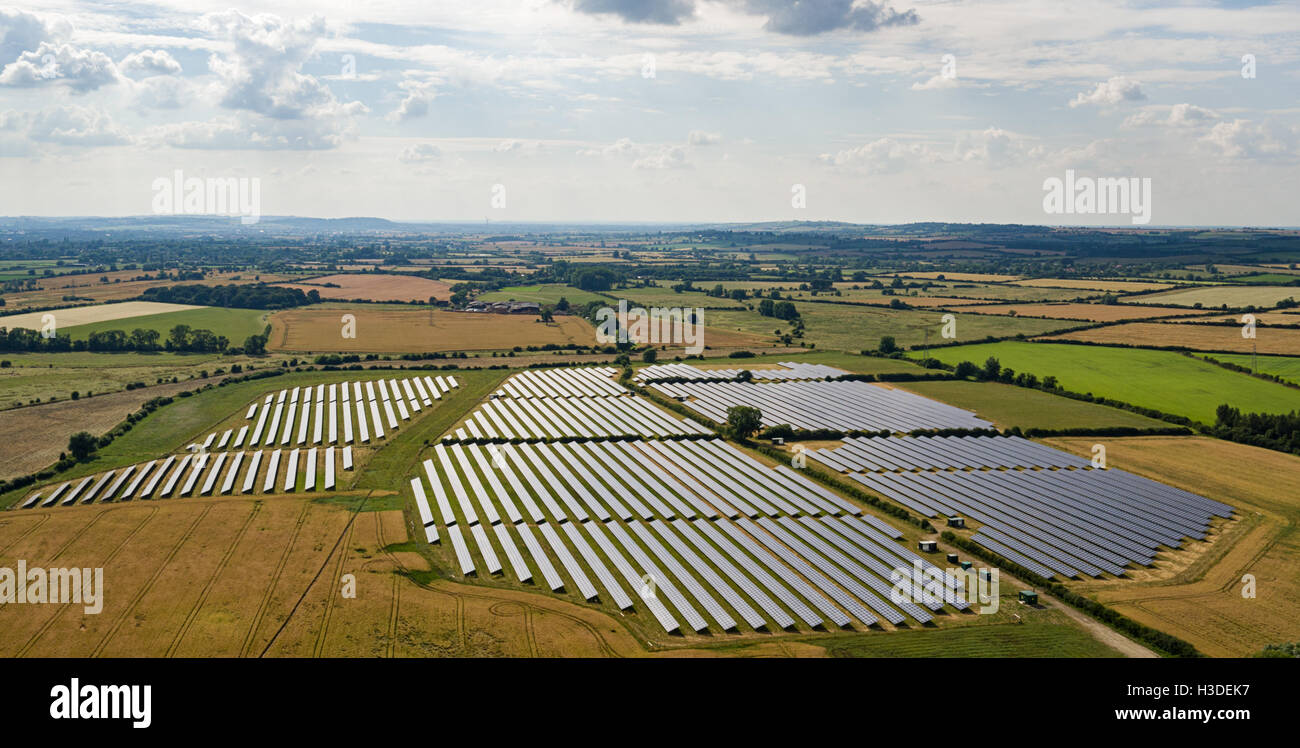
(655, 110)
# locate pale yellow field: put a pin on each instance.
(419, 331)
(976, 277)
(83, 315)
(1096, 285)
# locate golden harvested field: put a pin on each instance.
(375, 287)
(51, 291)
(419, 331)
(1217, 296)
(1261, 318)
(1096, 285)
(1280, 340)
(1199, 596)
(1069, 310)
(84, 315)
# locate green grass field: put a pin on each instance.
(546, 293)
(1007, 405)
(1167, 381)
(1287, 367)
(666, 297)
(46, 375)
(847, 327)
(235, 324)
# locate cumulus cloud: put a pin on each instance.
(1179, 115)
(1246, 140)
(700, 137)
(81, 70)
(663, 157)
(22, 32)
(792, 17)
(420, 153)
(75, 125)
(263, 71)
(419, 95)
(812, 17)
(935, 82)
(881, 156)
(1117, 90)
(149, 62)
(162, 92)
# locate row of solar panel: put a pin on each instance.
(199, 475)
(1066, 522)
(847, 558)
(841, 405)
(595, 381)
(592, 417)
(296, 406)
(790, 370)
(942, 453)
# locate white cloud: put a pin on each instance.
(1116, 90)
(150, 62)
(880, 156)
(663, 157)
(82, 70)
(1179, 115)
(419, 95)
(23, 32)
(76, 125)
(1247, 140)
(700, 137)
(419, 153)
(936, 82)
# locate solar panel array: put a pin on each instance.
(201, 474)
(537, 418)
(942, 453)
(349, 412)
(696, 533)
(790, 370)
(590, 381)
(842, 405)
(1058, 522)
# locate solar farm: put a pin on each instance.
(294, 439)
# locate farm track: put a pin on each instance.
(391, 650)
(212, 580)
(318, 649)
(275, 581)
(112, 555)
(148, 585)
(44, 518)
(347, 532)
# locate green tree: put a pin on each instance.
(82, 444)
(650, 356)
(743, 421)
(888, 344)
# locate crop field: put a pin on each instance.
(1010, 292)
(849, 327)
(1278, 340)
(98, 313)
(1094, 285)
(1164, 380)
(374, 287)
(50, 291)
(419, 331)
(944, 275)
(1200, 598)
(1087, 312)
(665, 297)
(547, 293)
(1007, 406)
(57, 375)
(235, 324)
(1287, 367)
(1216, 296)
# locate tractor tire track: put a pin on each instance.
(212, 581)
(275, 581)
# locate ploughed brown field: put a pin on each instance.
(1279, 340)
(374, 287)
(419, 331)
(1087, 312)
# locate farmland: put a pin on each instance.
(1093, 285)
(1203, 602)
(544, 294)
(1286, 367)
(234, 324)
(1217, 296)
(419, 331)
(1163, 380)
(98, 313)
(1088, 312)
(91, 287)
(1279, 340)
(1009, 406)
(374, 287)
